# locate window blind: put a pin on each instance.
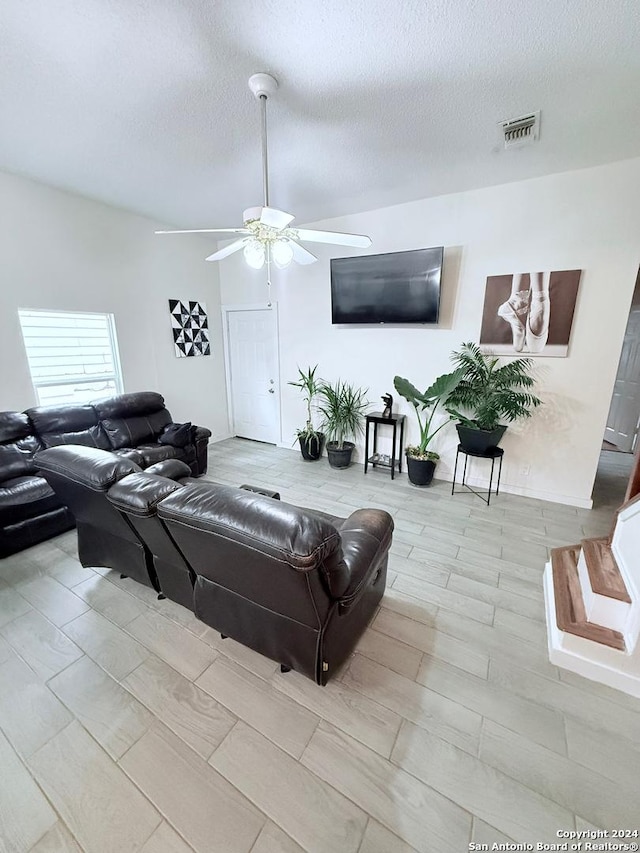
(73, 357)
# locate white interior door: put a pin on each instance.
(624, 413)
(252, 347)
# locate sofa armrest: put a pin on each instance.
(172, 469)
(140, 494)
(201, 434)
(366, 539)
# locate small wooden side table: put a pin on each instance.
(493, 453)
(375, 460)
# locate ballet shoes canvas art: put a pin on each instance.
(529, 313)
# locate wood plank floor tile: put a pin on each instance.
(166, 840)
(483, 833)
(180, 649)
(30, 714)
(314, 814)
(470, 608)
(69, 572)
(25, 814)
(103, 809)
(106, 710)
(43, 646)
(407, 605)
(498, 597)
(449, 719)
(603, 753)
(114, 604)
(185, 708)
(433, 642)
(57, 840)
(390, 652)
(362, 718)
(196, 800)
(53, 600)
(260, 705)
(530, 630)
(600, 714)
(12, 605)
(378, 839)
(106, 644)
(542, 725)
(560, 779)
(495, 797)
(273, 840)
(418, 814)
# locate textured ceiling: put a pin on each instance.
(144, 103)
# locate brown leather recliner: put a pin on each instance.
(296, 586)
(81, 477)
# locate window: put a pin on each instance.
(73, 357)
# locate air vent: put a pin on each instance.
(521, 131)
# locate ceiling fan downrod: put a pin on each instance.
(262, 85)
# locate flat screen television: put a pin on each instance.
(399, 287)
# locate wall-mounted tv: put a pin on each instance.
(400, 287)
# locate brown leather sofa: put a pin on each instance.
(134, 426)
(30, 512)
(296, 585)
(81, 478)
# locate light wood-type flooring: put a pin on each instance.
(126, 724)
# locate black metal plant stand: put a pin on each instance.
(492, 453)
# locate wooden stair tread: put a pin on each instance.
(570, 612)
(604, 573)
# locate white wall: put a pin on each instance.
(61, 251)
(588, 219)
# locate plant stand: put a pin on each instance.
(493, 453)
(375, 460)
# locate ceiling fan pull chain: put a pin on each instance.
(268, 262)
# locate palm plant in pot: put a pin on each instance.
(489, 393)
(342, 407)
(421, 462)
(310, 439)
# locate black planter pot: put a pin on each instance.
(311, 447)
(420, 470)
(479, 440)
(340, 458)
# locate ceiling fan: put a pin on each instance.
(266, 234)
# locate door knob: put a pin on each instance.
(271, 391)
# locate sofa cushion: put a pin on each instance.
(96, 469)
(71, 424)
(152, 453)
(17, 445)
(25, 497)
(133, 419)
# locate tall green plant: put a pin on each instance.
(490, 393)
(342, 408)
(426, 404)
(310, 387)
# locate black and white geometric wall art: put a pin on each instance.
(190, 328)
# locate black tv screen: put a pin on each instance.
(400, 287)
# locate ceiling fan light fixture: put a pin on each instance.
(282, 253)
(254, 254)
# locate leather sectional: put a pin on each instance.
(130, 425)
(296, 585)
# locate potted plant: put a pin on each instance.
(421, 462)
(489, 393)
(342, 408)
(311, 440)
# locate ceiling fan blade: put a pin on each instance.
(208, 231)
(275, 218)
(228, 250)
(301, 255)
(359, 241)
